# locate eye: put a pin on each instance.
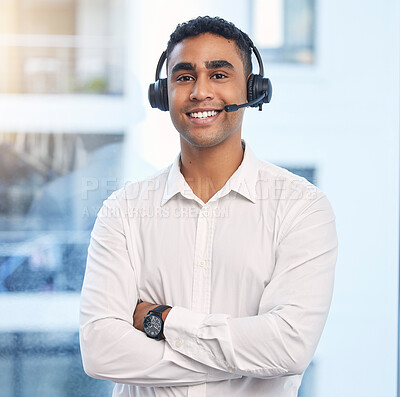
(184, 78)
(219, 76)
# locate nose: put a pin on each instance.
(202, 89)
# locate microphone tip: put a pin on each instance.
(231, 108)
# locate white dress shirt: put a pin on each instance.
(249, 275)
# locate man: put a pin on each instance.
(235, 255)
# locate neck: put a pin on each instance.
(206, 170)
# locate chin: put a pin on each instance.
(203, 141)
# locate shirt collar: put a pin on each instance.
(243, 180)
(175, 182)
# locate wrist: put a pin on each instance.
(165, 313)
(153, 323)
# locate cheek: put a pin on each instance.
(235, 94)
(173, 101)
(175, 110)
(171, 96)
(176, 101)
(244, 94)
(237, 117)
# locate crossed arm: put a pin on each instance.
(199, 348)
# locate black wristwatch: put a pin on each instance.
(153, 323)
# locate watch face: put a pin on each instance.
(152, 325)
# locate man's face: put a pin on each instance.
(206, 73)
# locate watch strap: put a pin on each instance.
(159, 309)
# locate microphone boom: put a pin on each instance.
(234, 107)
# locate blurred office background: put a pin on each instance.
(75, 125)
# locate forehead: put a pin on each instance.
(204, 48)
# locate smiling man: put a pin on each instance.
(213, 277)
(206, 73)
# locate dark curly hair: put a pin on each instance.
(217, 26)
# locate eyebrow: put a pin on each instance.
(220, 63)
(182, 66)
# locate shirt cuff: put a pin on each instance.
(181, 327)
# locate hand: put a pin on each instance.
(141, 312)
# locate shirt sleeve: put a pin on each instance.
(111, 347)
(282, 338)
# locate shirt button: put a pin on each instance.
(202, 263)
(205, 213)
(231, 369)
(178, 343)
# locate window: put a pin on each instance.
(45, 364)
(61, 47)
(51, 188)
(284, 30)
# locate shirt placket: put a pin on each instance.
(202, 272)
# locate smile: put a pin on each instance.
(204, 115)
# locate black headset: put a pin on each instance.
(259, 88)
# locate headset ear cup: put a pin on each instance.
(164, 95)
(152, 95)
(161, 95)
(257, 85)
(250, 92)
(158, 95)
(268, 88)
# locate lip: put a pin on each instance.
(196, 110)
(208, 120)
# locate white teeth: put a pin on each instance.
(204, 115)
